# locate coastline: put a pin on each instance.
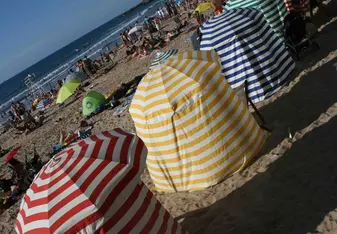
(67, 118)
(14, 88)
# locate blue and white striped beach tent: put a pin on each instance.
(249, 50)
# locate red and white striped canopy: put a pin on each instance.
(94, 187)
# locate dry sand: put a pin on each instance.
(292, 185)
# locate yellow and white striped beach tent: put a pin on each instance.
(196, 129)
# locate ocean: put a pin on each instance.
(55, 66)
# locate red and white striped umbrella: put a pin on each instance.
(94, 187)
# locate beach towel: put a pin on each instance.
(12, 154)
(79, 135)
(125, 106)
(249, 50)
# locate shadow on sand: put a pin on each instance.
(292, 196)
(300, 188)
(307, 100)
(311, 96)
(326, 39)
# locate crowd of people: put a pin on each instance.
(91, 67)
(21, 118)
(20, 114)
(129, 37)
(132, 35)
(140, 43)
(150, 35)
(168, 10)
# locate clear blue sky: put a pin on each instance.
(31, 30)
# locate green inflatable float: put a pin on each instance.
(92, 102)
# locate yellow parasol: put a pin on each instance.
(202, 7)
(195, 127)
(67, 90)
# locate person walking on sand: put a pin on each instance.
(59, 82)
(125, 41)
(25, 116)
(158, 13)
(147, 27)
(163, 13)
(88, 63)
(168, 8)
(127, 38)
(133, 36)
(174, 8)
(85, 68)
(15, 111)
(158, 25)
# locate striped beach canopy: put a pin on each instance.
(249, 50)
(44, 103)
(161, 57)
(273, 10)
(195, 127)
(94, 187)
(67, 90)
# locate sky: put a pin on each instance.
(32, 30)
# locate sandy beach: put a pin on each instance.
(291, 187)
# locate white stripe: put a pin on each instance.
(202, 166)
(122, 222)
(217, 132)
(207, 152)
(186, 117)
(74, 219)
(159, 221)
(122, 195)
(146, 217)
(83, 177)
(209, 183)
(215, 30)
